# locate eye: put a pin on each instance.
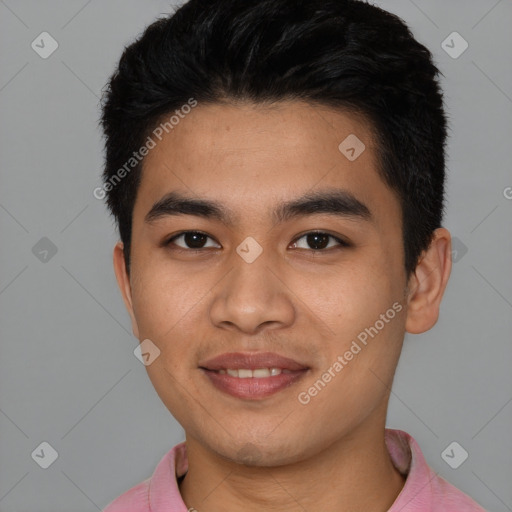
(193, 240)
(319, 241)
(313, 241)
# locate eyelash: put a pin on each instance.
(168, 242)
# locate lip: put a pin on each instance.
(252, 388)
(252, 361)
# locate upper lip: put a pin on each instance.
(251, 361)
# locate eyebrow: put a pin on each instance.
(337, 202)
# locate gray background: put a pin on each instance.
(68, 374)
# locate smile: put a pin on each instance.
(256, 374)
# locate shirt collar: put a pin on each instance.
(406, 455)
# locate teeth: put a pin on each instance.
(244, 373)
(262, 372)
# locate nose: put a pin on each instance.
(253, 297)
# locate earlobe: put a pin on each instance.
(428, 283)
(123, 281)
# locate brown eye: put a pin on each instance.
(191, 240)
(318, 241)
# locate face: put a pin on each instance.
(298, 253)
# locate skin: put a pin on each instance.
(276, 453)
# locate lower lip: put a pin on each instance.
(253, 388)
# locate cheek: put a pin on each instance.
(351, 297)
(164, 299)
(362, 306)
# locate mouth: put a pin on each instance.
(247, 373)
(252, 376)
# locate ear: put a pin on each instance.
(428, 282)
(123, 281)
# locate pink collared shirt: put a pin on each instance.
(423, 491)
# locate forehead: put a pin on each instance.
(250, 156)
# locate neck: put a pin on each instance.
(355, 473)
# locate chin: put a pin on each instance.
(252, 453)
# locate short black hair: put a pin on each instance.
(343, 54)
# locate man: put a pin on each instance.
(276, 170)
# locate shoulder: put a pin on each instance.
(446, 496)
(133, 500)
(424, 489)
(159, 492)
